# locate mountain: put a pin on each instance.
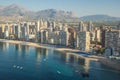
(13, 10)
(99, 18)
(53, 13)
(16, 10)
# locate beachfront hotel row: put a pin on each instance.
(84, 36)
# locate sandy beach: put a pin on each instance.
(47, 46)
(39, 45)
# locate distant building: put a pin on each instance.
(90, 26)
(81, 26)
(39, 24)
(97, 35)
(83, 41)
(53, 25)
(48, 24)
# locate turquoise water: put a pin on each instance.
(20, 62)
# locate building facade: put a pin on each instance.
(83, 41)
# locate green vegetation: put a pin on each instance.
(100, 51)
(106, 23)
(96, 42)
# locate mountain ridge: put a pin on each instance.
(99, 17)
(17, 10)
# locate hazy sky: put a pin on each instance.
(80, 7)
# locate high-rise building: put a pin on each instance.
(90, 26)
(56, 37)
(22, 34)
(97, 35)
(45, 36)
(53, 25)
(17, 32)
(3, 27)
(0, 31)
(112, 39)
(41, 36)
(64, 37)
(48, 24)
(102, 30)
(26, 30)
(72, 36)
(81, 26)
(92, 36)
(83, 41)
(6, 32)
(39, 24)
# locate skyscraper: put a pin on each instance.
(6, 33)
(39, 24)
(112, 39)
(83, 41)
(102, 36)
(81, 26)
(90, 26)
(97, 35)
(64, 37)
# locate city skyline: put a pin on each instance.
(79, 7)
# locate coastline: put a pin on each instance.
(39, 45)
(47, 46)
(102, 60)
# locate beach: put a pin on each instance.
(39, 45)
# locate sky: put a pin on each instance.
(79, 7)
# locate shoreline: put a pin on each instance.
(102, 60)
(47, 46)
(39, 45)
